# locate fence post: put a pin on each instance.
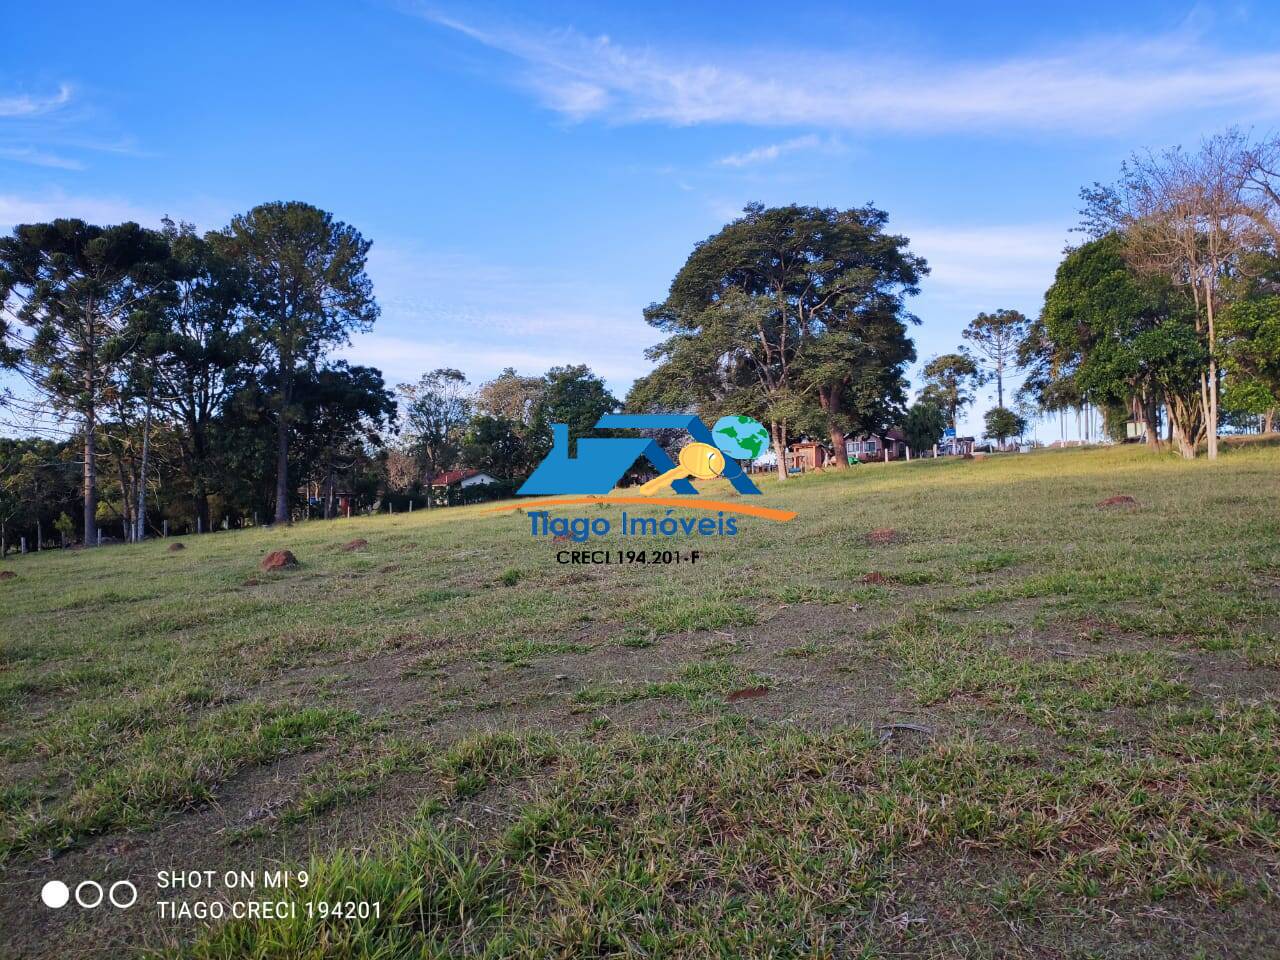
(165, 527)
(199, 524)
(24, 544)
(99, 537)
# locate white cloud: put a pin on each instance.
(16, 209)
(1012, 260)
(26, 105)
(1103, 85)
(39, 158)
(205, 212)
(771, 152)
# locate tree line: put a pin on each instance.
(188, 379)
(1165, 320)
(1170, 311)
(195, 372)
(209, 352)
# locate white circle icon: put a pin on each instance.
(92, 885)
(130, 891)
(55, 894)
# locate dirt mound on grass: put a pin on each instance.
(1123, 500)
(882, 537)
(874, 577)
(279, 560)
(8, 575)
(175, 547)
(359, 543)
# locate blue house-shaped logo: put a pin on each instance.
(602, 461)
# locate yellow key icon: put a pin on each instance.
(701, 461)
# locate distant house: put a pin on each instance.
(460, 486)
(461, 479)
(874, 446)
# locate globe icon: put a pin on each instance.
(741, 437)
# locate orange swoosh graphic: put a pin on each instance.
(767, 513)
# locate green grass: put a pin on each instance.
(542, 760)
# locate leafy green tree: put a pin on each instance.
(38, 482)
(1250, 335)
(923, 426)
(436, 411)
(572, 395)
(304, 280)
(950, 382)
(205, 352)
(1050, 382)
(344, 411)
(75, 290)
(997, 336)
(1003, 424)
(65, 526)
(497, 446)
(1191, 218)
(793, 315)
(1098, 321)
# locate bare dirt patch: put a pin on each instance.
(1121, 500)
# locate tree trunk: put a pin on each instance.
(1149, 426)
(201, 502)
(1211, 414)
(142, 477)
(1269, 420)
(282, 467)
(778, 434)
(1186, 424)
(90, 479)
(840, 457)
(829, 400)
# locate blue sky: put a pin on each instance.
(533, 176)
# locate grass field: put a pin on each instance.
(1027, 725)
